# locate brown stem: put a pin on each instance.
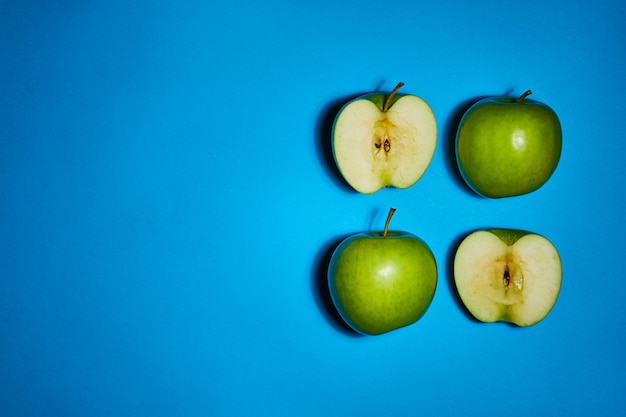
(390, 96)
(523, 96)
(391, 211)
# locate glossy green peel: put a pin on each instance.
(507, 147)
(394, 293)
(380, 282)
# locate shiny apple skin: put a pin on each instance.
(506, 148)
(379, 284)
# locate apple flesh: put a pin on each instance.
(382, 281)
(384, 141)
(507, 147)
(507, 275)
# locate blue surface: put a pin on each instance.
(169, 204)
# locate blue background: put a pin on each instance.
(169, 205)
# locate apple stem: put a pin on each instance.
(389, 216)
(523, 96)
(390, 96)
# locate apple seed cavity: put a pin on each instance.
(512, 280)
(382, 127)
(506, 279)
(517, 278)
(386, 145)
(382, 137)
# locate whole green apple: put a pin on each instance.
(384, 140)
(507, 275)
(507, 147)
(382, 281)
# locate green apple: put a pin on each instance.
(507, 275)
(382, 281)
(507, 147)
(384, 140)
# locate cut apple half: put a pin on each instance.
(380, 142)
(507, 275)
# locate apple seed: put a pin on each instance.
(387, 145)
(382, 135)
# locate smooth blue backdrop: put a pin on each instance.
(169, 203)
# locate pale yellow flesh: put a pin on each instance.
(411, 129)
(534, 278)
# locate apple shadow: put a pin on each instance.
(321, 290)
(450, 128)
(323, 135)
(454, 293)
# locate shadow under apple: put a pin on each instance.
(448, 138)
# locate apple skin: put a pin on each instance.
(379, 284)
(358, 140)
(508, 147)
(508, 275)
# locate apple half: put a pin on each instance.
(384, 140)
(507, 275)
